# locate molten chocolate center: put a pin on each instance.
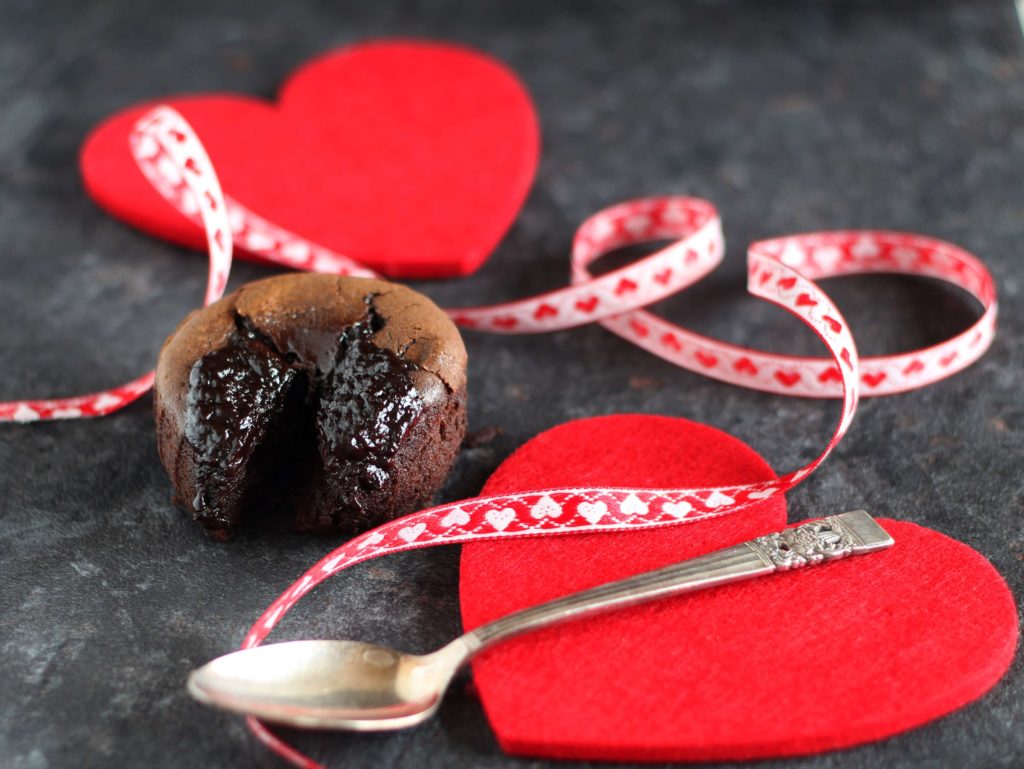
(315, 435)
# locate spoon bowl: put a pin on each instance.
(329, 684)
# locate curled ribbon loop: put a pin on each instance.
(815, 256)
(780, 271)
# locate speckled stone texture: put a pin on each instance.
(794, 117)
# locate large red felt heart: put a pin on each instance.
(812, 660)
(412, 157)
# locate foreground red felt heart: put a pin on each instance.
(412, 157)
(812, 660)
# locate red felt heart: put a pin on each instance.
(412, 157)
(789, 664)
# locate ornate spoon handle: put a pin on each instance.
(836, 536)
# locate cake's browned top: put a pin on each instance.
(305, 314)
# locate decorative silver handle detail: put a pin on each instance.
(834, 537)
(805, 545)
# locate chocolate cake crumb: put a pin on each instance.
(482, 437)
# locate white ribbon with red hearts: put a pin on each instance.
(176, 164)
(780, 271)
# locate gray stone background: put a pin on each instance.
(791, 117)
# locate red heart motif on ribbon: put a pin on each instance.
(787, 378)
(706, 359)
(790, 664)
(411, 157)
(873, 379)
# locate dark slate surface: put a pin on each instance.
(796, 117)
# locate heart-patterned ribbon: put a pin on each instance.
(780, 271)
(174, 161)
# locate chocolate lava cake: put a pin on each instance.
(341, 401)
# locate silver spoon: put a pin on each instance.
(364, 687)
